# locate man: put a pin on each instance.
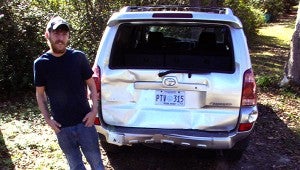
(61, 75)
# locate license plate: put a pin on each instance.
(168, 97)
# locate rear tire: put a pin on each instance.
(236, 153)
(111, 148)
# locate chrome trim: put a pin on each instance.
(181, 86)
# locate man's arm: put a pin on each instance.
(90, 117)
(43, 106)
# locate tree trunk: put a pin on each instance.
(292, 67)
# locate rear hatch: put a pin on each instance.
(171, 75)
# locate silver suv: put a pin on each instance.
(177, 75)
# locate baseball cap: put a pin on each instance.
(57, 22)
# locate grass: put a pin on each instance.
(29, 146)
(26, 142)
(281, 32)
(269, 53)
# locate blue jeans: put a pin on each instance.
(72, 139)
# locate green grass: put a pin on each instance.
(28, 146)
(269, 53)
(281, 32)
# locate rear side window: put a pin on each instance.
(179, 47)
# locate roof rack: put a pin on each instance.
(217, 10)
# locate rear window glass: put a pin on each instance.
(177, 47)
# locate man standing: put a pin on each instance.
(61, 76)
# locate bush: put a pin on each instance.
(22, 25)
(266, 82)
(251, 17)
(272, 8)
(20, 44)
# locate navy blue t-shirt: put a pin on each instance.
(64, 80)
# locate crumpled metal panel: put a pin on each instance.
(128, 99)
(170, 118)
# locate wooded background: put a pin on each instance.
(22, 27)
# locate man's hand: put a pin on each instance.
(89, 119)
(54, 125)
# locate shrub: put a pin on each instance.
(251, 17)
(265, 82)
(20, 44)
(272, 8)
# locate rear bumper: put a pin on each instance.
(206, 140)
(184, 137)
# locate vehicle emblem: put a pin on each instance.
(170, 81)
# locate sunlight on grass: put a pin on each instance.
(269, 57)
(32, 150)
(281, 32)
(31, 143)
(267, 53)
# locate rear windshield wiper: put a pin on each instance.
(189, 72)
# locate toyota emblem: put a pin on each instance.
(169, 81)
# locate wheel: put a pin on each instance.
(236, 153)
(111, 148)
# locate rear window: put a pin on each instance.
(177, 47)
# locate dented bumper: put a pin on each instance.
(190, 138)
(184, 137)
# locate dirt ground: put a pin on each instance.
(273, 146)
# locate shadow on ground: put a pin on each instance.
(272, 62)
(143, 157)
(273, 145)
(5, 157)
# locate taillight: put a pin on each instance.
(245, 127)
(249, 97)
(97, 78)
(97, 121)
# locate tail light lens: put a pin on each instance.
(97, 78)
(245, 127)
(249, 97)
(97, 121)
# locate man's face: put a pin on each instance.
(58, 40)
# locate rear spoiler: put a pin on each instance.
(192, 17)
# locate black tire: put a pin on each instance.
(111, 148)
(236, 153)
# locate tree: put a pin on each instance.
(195, 2)
(22, 26)
(292, 69)
(204, 2)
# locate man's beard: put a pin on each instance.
(57, 50)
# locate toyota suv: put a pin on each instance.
(175, 74)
